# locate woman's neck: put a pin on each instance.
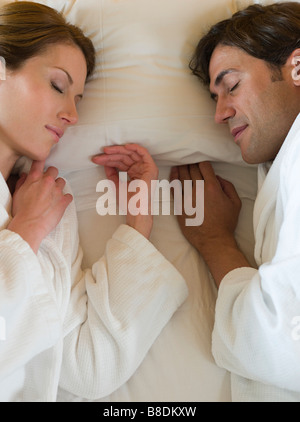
(7, 161)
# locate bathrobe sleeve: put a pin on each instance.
(117, 310)
(257, 325)
(25, 330)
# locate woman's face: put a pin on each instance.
(38, 102)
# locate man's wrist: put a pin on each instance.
(222, 255)
(215, 245)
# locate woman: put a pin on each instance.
(83, 331)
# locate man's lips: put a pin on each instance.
(236, 132)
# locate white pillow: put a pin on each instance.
(143, 90)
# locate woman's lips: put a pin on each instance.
(237, 132)
(57, 132)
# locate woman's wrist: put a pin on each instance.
(141, 223)
(28, 232)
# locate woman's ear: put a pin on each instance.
(295, 63)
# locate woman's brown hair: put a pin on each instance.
(28, 28)
(270, 33)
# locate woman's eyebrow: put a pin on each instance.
(67, 73)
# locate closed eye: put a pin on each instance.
(234, 87)
(54, 86)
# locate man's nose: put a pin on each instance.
(224, 111)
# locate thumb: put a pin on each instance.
(20, 181)
(37, 167)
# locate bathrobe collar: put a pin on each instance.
(5, 203)
(265, 204)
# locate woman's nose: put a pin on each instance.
(70, 114)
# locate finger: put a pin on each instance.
(136, 157)
(125, 159)
(141, 152)
(115, 149)
(37, 168)
(229, 190)
(178, 201)
(66, 200)
(117, 165)
(195, 176)
(145, 158)
(61, 183)
(120, 150)
(207, 171)
(52, 172)
(174, 174)
(112, 174)
(184, 173)
(195, 172)
(110, 160)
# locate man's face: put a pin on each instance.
(258, 106)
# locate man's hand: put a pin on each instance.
(38, 204)
(139, 165)
(221, 205)
(214, 239)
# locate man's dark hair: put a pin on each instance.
(270, 33)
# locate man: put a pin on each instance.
(251, 65)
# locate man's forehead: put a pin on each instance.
(227, 56)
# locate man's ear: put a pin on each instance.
(295, 64)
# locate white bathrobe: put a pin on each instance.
(84, 331)
(257, 326)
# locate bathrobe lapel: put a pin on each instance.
(267, 218)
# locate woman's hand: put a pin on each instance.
(139, 165)
(38, 204)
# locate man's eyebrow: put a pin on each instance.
(222, 74)
(69, 78)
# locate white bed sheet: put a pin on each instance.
(179, 367)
